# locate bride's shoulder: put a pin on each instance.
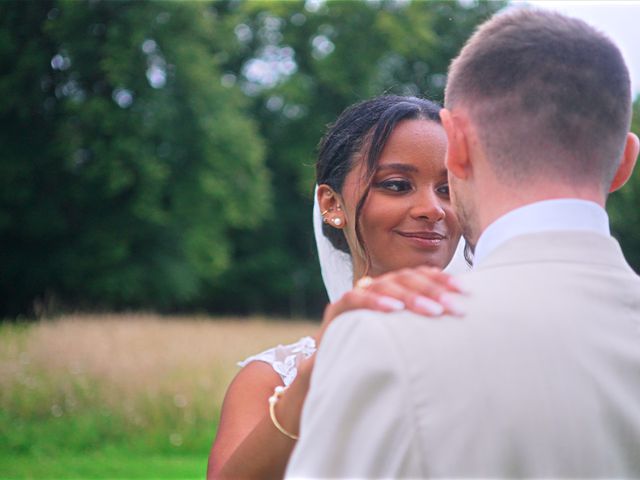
(284, 359)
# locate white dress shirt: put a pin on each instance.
(566, 214)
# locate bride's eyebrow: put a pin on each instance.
(401, 167)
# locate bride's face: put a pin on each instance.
(407, 219)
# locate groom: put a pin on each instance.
(542, 376)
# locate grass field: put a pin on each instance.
(120, 396)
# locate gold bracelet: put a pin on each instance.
(273, 399)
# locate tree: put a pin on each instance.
(126, 161)
(623, 207)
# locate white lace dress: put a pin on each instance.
(284, 359)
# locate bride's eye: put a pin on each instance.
(443, 189)
(395, 185)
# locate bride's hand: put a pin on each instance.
(423, 290)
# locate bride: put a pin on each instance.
(385, 229)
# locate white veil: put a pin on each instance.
(336, 266)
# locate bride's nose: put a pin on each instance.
(428, 207)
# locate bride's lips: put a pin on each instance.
(424, 239)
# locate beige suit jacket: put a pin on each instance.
(540, 379)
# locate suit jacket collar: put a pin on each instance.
(544, 216)
(557, 246)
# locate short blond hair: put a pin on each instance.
(549, 94)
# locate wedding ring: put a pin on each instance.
(364, 282)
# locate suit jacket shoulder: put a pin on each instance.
(541, 376)
(540, 379)
(357, 420)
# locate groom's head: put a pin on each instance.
(537, 104)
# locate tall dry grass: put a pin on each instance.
(148, 379)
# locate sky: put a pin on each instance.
(620, 20)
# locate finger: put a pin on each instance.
(410, 295)
(413, 281)
(451, 304)
(358, 298)
(446, 280)
(355, 299)
(370, 300)
(419, 292)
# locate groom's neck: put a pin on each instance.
(495, 200)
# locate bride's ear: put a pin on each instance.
(330, 206)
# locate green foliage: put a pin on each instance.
(125, 161)
(195, 191)
(160, 154)
(623, 207)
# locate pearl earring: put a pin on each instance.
(337, 222)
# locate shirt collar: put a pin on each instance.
(565, 214)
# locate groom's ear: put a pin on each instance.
(629, 157)
(457, 156)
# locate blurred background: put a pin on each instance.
(159, 157)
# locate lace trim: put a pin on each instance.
(285, 358)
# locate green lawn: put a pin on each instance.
(111, 463)
(130, 396)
